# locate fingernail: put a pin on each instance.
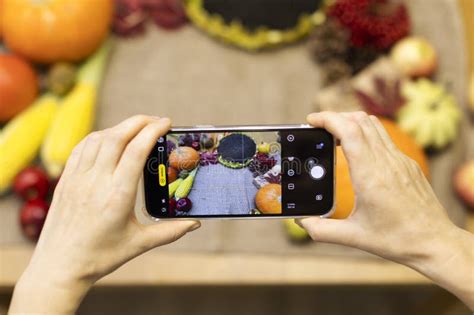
(166, 120)
(156, 117)
(195, 226)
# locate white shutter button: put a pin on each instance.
(317, 172)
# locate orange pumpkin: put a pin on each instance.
(184, 158)
(48, 31)
(268, 199)
(1, 1)
(344, 190)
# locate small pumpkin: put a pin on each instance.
(184, 158)
(268, 199)
(431, 114)
(55, 30)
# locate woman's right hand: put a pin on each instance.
(396, 215)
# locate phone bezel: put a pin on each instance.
(210, 128)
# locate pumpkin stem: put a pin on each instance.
(93, 68)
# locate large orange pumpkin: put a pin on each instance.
(1, 18)
(48, 31)
(344, 191)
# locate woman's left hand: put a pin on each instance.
(91, 229)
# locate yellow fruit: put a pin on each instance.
(185, 187)
(431, 115)
(174, 186)
(21, 138)
(75, 117)
(295, 232)
(263, 147)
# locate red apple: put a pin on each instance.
(31, 183)
(464, 183)
(415, 57)
(32, 217)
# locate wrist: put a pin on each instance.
(447, 259)
(47, 290)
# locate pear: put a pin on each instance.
(295, 232)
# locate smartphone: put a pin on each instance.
(240, 172)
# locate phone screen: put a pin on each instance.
(241, 173)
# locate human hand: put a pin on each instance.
(396, 214)
(91, 229)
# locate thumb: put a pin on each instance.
(164, 233)
(329, 230)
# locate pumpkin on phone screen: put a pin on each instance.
(268, 199)
(48, 31)
(184, 158)
(344, 190)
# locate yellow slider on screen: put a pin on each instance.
(162, 174)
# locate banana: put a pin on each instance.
(174, 186)
(76, 114)
(185, 187)
(21, 138)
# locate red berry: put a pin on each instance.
(172, 207)
(31, 183)
(375, 23)
(184, 204)
(168, 14)
(32, 217)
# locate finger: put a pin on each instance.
(345, 129)
(329, 230)
(370, 132)
(132, 162)
(116, 139)
(166, 232)
(387, 140)
(92, 145)
(74, 158)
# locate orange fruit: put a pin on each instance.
(184, 158)
(344, 190)
(268, 199)
(1, 18)
(18, 85)
(55, 30)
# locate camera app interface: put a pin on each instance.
(251, 173)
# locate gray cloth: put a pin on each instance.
(221, 190)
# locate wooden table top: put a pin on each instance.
(231, 269)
